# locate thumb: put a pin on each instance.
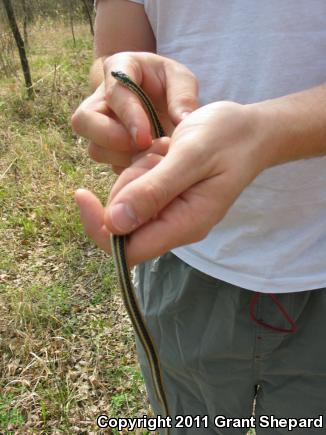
(182, 91)
(143, 198)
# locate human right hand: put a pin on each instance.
(113, 118)
(174, 198)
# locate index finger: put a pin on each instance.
(127, 105)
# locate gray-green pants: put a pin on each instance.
(216, 361)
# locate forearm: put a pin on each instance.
(119, 26)
(293, 127)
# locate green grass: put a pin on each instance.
(67, 347)
(9, 415)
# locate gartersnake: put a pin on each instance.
(118, 245)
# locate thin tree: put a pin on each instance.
(89, 15)
(25, 21)
(21, 47)
(71, 16)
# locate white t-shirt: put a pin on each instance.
(273, 239)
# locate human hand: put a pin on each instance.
(113, 118)
(174, 197)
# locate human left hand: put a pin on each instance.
(176, 191)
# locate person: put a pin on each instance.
(227, 214)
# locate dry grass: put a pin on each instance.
(67, 350)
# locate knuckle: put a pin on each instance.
(77, 120)
(189, 75)
(117, 169)
(107, 62)
(114, 58)
(109, 91)
(93, 152)
(201, 234)
(200, 228)
(197, 234)
(192, 76)
(185, 71)
(151, 160)
(156, 197)
(128, 173)
(186, 99)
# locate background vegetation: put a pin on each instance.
(67, 350)
(66, 345)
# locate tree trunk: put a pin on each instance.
(71, 16)
(89, 16)
(20, 46)
(25, 19)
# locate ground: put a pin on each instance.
(67, 348)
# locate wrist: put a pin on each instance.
(292, 127)
(275, 132)
(268, 133)
(260, 136)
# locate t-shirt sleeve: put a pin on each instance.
(141, 2)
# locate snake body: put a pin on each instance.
(118, 245)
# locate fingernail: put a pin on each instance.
(123, 217)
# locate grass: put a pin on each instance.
(67, 349)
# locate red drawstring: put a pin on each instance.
(253, 302)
